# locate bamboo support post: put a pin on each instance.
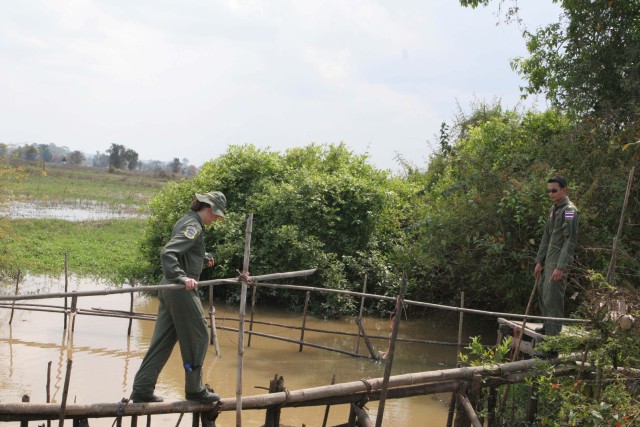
(304, 318)
(66, 285)
(326, 410)
(254, 298)
(516, 350)
(469, 411)
(364, 291)
(130, 309)
(25, 399)
(272, 417)
(243, 302)
(351, 422)
(614, 251)
(362, 416)
(214, 331)
(48, 388)
(453, 400)
(391, 352)
(14, 303)
(212, 326)
(492, 399)
(65, 392)
(372, 350)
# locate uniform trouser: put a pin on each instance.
(551, 301)
(180, 319)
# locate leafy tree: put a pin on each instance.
(30, 152)
(76, 157)
(45, 153)
(100, 160)
(117, 158)
(175, 166)
(131, 158)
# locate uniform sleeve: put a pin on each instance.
(544, 245)
(179, 244)
(570, 234)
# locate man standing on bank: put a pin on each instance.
(180, 314)
(555, 254)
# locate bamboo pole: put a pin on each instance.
(48, 388)
(516, 351)
(326, 410)
(25, 399)
(433, 382)
(130, 309)
(362, 416)
(304, 318)
(415, 303)
(14, 303)
(211, 324)
(243, 301)
(254, 297)
(469, 411)
(67, 378)
(66, 284)
(352, 334)
(154, 288)
(65, 392)
(453, 400)
(362, 332)
(302, 273)
(391, 352)
(614, 251)
(279, 338)
(214, 329)
(364, 291)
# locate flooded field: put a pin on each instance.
(105, 360)
(79, 210)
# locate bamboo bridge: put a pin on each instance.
(465, 383)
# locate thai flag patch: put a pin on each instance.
(568, 215)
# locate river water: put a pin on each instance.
(105, 360)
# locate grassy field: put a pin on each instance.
(107, 248)
(60, 183)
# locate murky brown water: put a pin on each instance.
(105, 360)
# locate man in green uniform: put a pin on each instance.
(555, 254)
(180, 314)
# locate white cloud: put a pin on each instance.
(185, 79)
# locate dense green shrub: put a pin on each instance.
(314, 207)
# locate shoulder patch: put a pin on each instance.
(191, 232)
(569, 214)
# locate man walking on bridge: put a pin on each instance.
(555, 254)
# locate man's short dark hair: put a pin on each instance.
(561, 180)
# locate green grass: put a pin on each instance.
(106, 249)
(70, 183)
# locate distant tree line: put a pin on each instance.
(116, 157)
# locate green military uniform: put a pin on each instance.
(556, 251)
(180, 314)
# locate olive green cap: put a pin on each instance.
(216, 200)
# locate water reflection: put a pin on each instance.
(105, 359)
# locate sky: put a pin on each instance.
(188, 78)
